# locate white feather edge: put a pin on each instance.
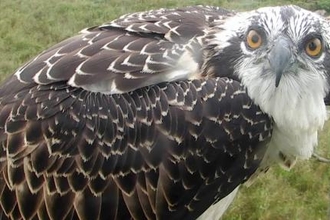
(186, 68)
(217, 210)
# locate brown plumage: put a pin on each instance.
(136, 154)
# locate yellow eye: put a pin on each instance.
(253, 39)
(313, 47)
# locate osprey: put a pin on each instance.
(161, 114)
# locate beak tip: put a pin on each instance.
(278, 79)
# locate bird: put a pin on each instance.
(162, 114)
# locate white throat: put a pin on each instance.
(297, 108)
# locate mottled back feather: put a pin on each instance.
(163, 151)
(133, 51)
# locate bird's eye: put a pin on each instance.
(253, 39)
(313, 47)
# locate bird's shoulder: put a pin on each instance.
(130, 52)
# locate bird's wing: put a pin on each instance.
(133, 51)
(167, 150)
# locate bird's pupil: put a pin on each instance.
(312, 46)
(255, 39)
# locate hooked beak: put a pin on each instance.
(280, 57)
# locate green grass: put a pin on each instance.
(28, 27)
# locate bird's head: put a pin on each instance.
(282, 56)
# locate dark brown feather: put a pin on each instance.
(185, 146)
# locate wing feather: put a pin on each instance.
(134, 51)
(183, 153)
